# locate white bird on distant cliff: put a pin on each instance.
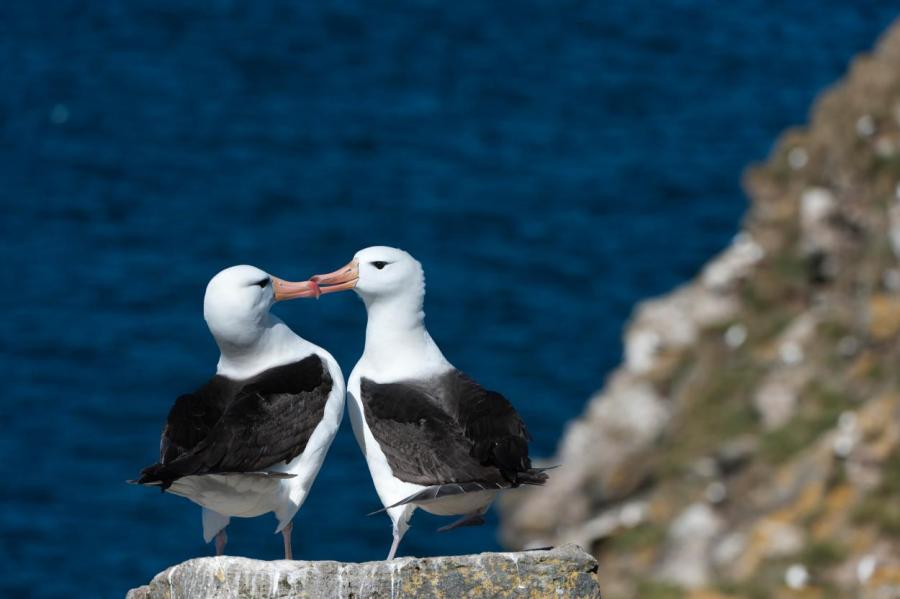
(433, 438)
(252, 439)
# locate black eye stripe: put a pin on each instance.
(262, 282)
(379, 264)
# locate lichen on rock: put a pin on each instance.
(562, 572)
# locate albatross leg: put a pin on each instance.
(400, 516)
(214, 525)
(286, 533)
(221, 539)
(395, 544)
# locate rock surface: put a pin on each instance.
(561, 572)
(749, 445)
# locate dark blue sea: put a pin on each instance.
(550, 164)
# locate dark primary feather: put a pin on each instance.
(433, 492)
(449, 433)
(230, 426)
(193, 415)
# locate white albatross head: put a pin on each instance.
(376, 274)
(392, 285)
(237, 302)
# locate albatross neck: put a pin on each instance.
(398, 345)
(274, 344)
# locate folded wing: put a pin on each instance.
(242, 427)
(449, 433)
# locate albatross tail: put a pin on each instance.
(158, 476)
(532, 476)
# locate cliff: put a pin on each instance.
(749, 445)
(562, 572)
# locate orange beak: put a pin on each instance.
(288, 290)
(340, 280)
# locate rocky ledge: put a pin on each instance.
(565, 571)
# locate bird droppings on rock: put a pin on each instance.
(565, 571)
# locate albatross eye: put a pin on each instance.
(262, 283)
(379, 264)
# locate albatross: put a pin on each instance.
(433, 438)
(252, 439)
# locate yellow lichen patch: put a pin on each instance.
(710, 594)
(645, 558)
(805, 503)
(763, 538)
(884, 582)
(664, 368)
(880, 436)
(662, 508)
(878, 413)
(755, 551)
(864, 365)
(885, 576)
(626, 477)
(805, 593)
(501, 580)
(835, 511)
(884, 317)
(860, 540)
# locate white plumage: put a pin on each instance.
(405, 364)
(253, 344)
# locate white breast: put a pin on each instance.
(306, 466)
(390, 489)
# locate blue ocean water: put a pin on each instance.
(550, 163)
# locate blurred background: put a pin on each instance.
(549, 163)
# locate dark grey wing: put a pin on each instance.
(423, 442)
(450, 434)
(270, 420)
(498, 434)
(193, 416)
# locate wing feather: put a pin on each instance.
(268, 420)
(449, 431)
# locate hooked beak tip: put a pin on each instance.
(288, 290)
(342, 279)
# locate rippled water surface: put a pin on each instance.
(550, 163)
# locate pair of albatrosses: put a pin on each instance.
(252, 439)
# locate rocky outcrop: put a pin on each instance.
(748, 446)
(562, 572)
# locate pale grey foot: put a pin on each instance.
(286, 533)
(221, 539)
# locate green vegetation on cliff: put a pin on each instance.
(750, 444)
